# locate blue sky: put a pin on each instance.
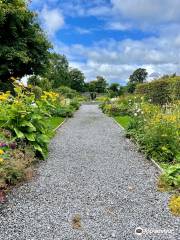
(114, 37)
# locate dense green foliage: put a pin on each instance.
(170, 179)
(58, 71)
(99, 85)
(23, 45)
(155, 128)
(161, 91)
(29, 122)
(77, 80)
(59, 74)
(41, 82)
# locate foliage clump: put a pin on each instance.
(24, 48)
(170, 179)
(24, 133)
(161, 91)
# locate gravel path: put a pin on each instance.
(94, 185)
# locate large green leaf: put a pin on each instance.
(38, 148)
(19, 134)
(30, 126)
(30, 136)
(43, 138)
(36, 117)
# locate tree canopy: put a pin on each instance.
(99, 85)
(57, 70)
(23, 45)
(77, 80)
(60, 74)
(138, 76)
(114, 87)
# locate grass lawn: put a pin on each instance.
(123, 120)
(54, 122)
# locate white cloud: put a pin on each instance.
(52, 20)
(83, 30)
(113, 59)
(116, 60)
(98, 11)
(149, 11)
(118, 26)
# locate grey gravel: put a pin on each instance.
(95, 172)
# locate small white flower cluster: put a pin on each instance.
(113, 99)
(33, 104)
(137, 110)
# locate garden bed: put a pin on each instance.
(27, 125)
(155, 129)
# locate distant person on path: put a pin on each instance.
(93, 95)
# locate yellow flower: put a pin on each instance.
(4, 96)
(1, 160)
(1, 152)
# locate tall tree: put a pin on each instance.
(41, 82)
(114, 90)
(101, 84)
(77, 79)
(91, 86)
(114, 87)
(23, 45)
(58, 70)
(138, 76)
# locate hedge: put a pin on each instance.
(161, 91)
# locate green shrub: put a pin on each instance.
(67, 92)
(171, 178)
(112, 109)
(161, 141)
(161, 91)
(75, 104)
(37, 92)
(25, 118)
(63, 111)
(156, 129)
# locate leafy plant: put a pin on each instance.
(25, 120)
(171, 178)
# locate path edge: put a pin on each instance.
(60, 125)
(137, 145)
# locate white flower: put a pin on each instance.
(113, 99)
(33, 104)
(135, 114)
